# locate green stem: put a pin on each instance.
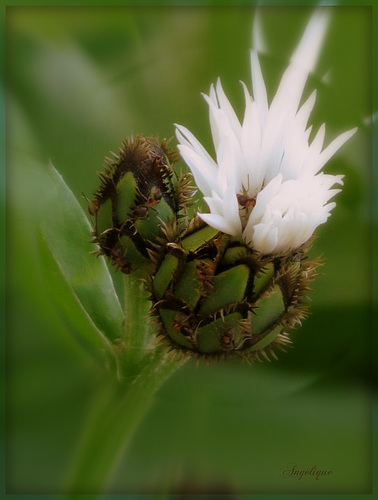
(138, 335)
(121, 404)
(119, 410)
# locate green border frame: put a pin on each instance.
(374, 219)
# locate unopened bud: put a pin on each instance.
(139, 194)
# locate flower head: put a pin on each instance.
(266, 186)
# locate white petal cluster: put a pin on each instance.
(266, 186)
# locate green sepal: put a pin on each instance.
(168, 317)
(163, 276)
(196, 240)
(234, 254)
(150, 226)
(131, 253)
(229, 288)
(163, 212)
(288, 282)
(263, 278)
(104, 218)
(268, 311)
(268, 339)
(187, 288)
(126, 195)
(209, 337)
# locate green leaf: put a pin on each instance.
(66, 231)
(75, 317)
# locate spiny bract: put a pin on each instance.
(217, 297)
(139, 193)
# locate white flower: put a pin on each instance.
(265, 186)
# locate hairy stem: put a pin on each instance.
(118, 411)
(121, 404)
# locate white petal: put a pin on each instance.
(259, 89)
(317, 143)
(215, 204)
(258, 41)
(229, 155)
(225, 105)
(227, 207)
(286, 101)
(263, 198)
(212, 102)
(265, 239)
(305, 110)
(268, 155)
(331, 149)
(218, 122)
(292, 212)
(251, 133)
(232, 211)
(186, 137)
(204, 172)
(307, 52)
(218, 222)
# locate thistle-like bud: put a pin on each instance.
(139, 194)
(215, 296)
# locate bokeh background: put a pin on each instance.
(79, 81)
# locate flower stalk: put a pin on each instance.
(114, 418)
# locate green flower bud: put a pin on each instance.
(215, 296)
(139, 196)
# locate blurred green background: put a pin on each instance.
(79, 81)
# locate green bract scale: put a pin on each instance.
(215, 296)
(139, 194)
